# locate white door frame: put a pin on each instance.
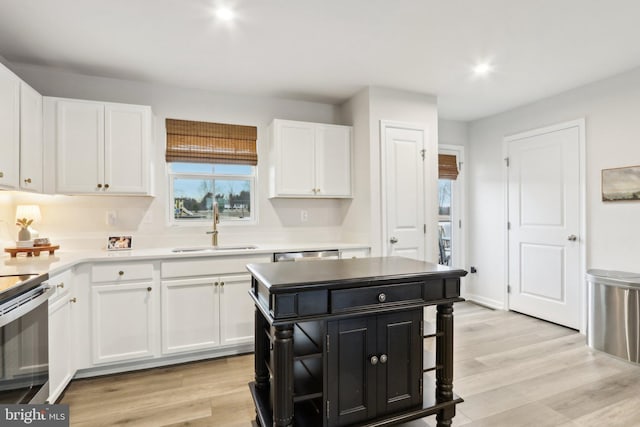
(428, 196)
(460, 213)
(580, 124)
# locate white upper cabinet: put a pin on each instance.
(31, 145)
(100, 148)
(9, 129)
(310, 160)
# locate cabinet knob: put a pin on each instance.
(28, 180)
(383, 358)
(106, 186)
(374, 360)
(60, 285)
(393, 240)
(73, 299)
(149, 289)
(221, 283)
(120, 273)
(216, 284)
(382, 297)
(1, 174)
(99, 185)
(572, 238)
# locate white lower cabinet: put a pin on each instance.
(205, 313)
(123, 322)
(61, 334)
(190, 315)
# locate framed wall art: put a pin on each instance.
(621, 184)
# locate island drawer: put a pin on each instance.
(121, 272)
(358, 298)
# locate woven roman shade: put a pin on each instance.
(447, 166)
(203, 142)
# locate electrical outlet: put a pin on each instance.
(112, 217)
(304, 215)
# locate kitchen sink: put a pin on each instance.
(214, 248)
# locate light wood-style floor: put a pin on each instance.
(512, 370)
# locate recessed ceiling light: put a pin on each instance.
(482, 69)
(225, 14)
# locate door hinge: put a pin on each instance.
(508, 225)
(506, 160)
(424, 228)
(459, 223)
(421, 386)
(328, 411)
(423, 153)
(508, 289)
(328, 342)
(422, 328)
(460, 166)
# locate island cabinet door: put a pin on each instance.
(374, 366)
(400, 361)
(350, 374)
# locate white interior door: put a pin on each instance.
(544, 224)
(404, 191)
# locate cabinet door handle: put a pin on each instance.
(106, 186)
(28, 180)
(1, 174)
(149, 289)
(383, 358)
(216, 284)
(99, 185)
(60, 285)
(374, 360)
(73, 299)
(120, 273)
(572, 238)
(221, 283)
(382, 297)
(393, 240)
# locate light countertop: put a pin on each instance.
(64, 259)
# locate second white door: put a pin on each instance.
(544, 221)
(403, 153)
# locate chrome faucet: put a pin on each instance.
(216, 221)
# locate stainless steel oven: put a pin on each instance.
(24, 352)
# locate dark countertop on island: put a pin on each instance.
(279, 277)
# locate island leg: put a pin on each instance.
(261, 351)
(283, 376)
(444, 358)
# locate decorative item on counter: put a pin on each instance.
(24, 234)
(119, 243)
(42, 241)
(25, 216)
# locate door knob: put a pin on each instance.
(382, 297)
(27, 181)
(374, 360)
(572, 238)
(393, 240)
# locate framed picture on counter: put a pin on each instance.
(119, 243)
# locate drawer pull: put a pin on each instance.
(382, 297)
(149, 289)
(120, 273)
(374, 360)
(73, 299)
(383, 358)
(27, 181)
(60, 285)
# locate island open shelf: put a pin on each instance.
(340, 342)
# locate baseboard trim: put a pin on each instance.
(487, 302)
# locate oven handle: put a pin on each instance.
(28, 306)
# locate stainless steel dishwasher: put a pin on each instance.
(306, 255)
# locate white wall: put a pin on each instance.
(80, 220)
(611, 108)
(453, 132)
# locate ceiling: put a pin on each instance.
(327, 50)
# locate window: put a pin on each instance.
(194, 187)
(211, 163)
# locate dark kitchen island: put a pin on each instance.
(340, 342)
